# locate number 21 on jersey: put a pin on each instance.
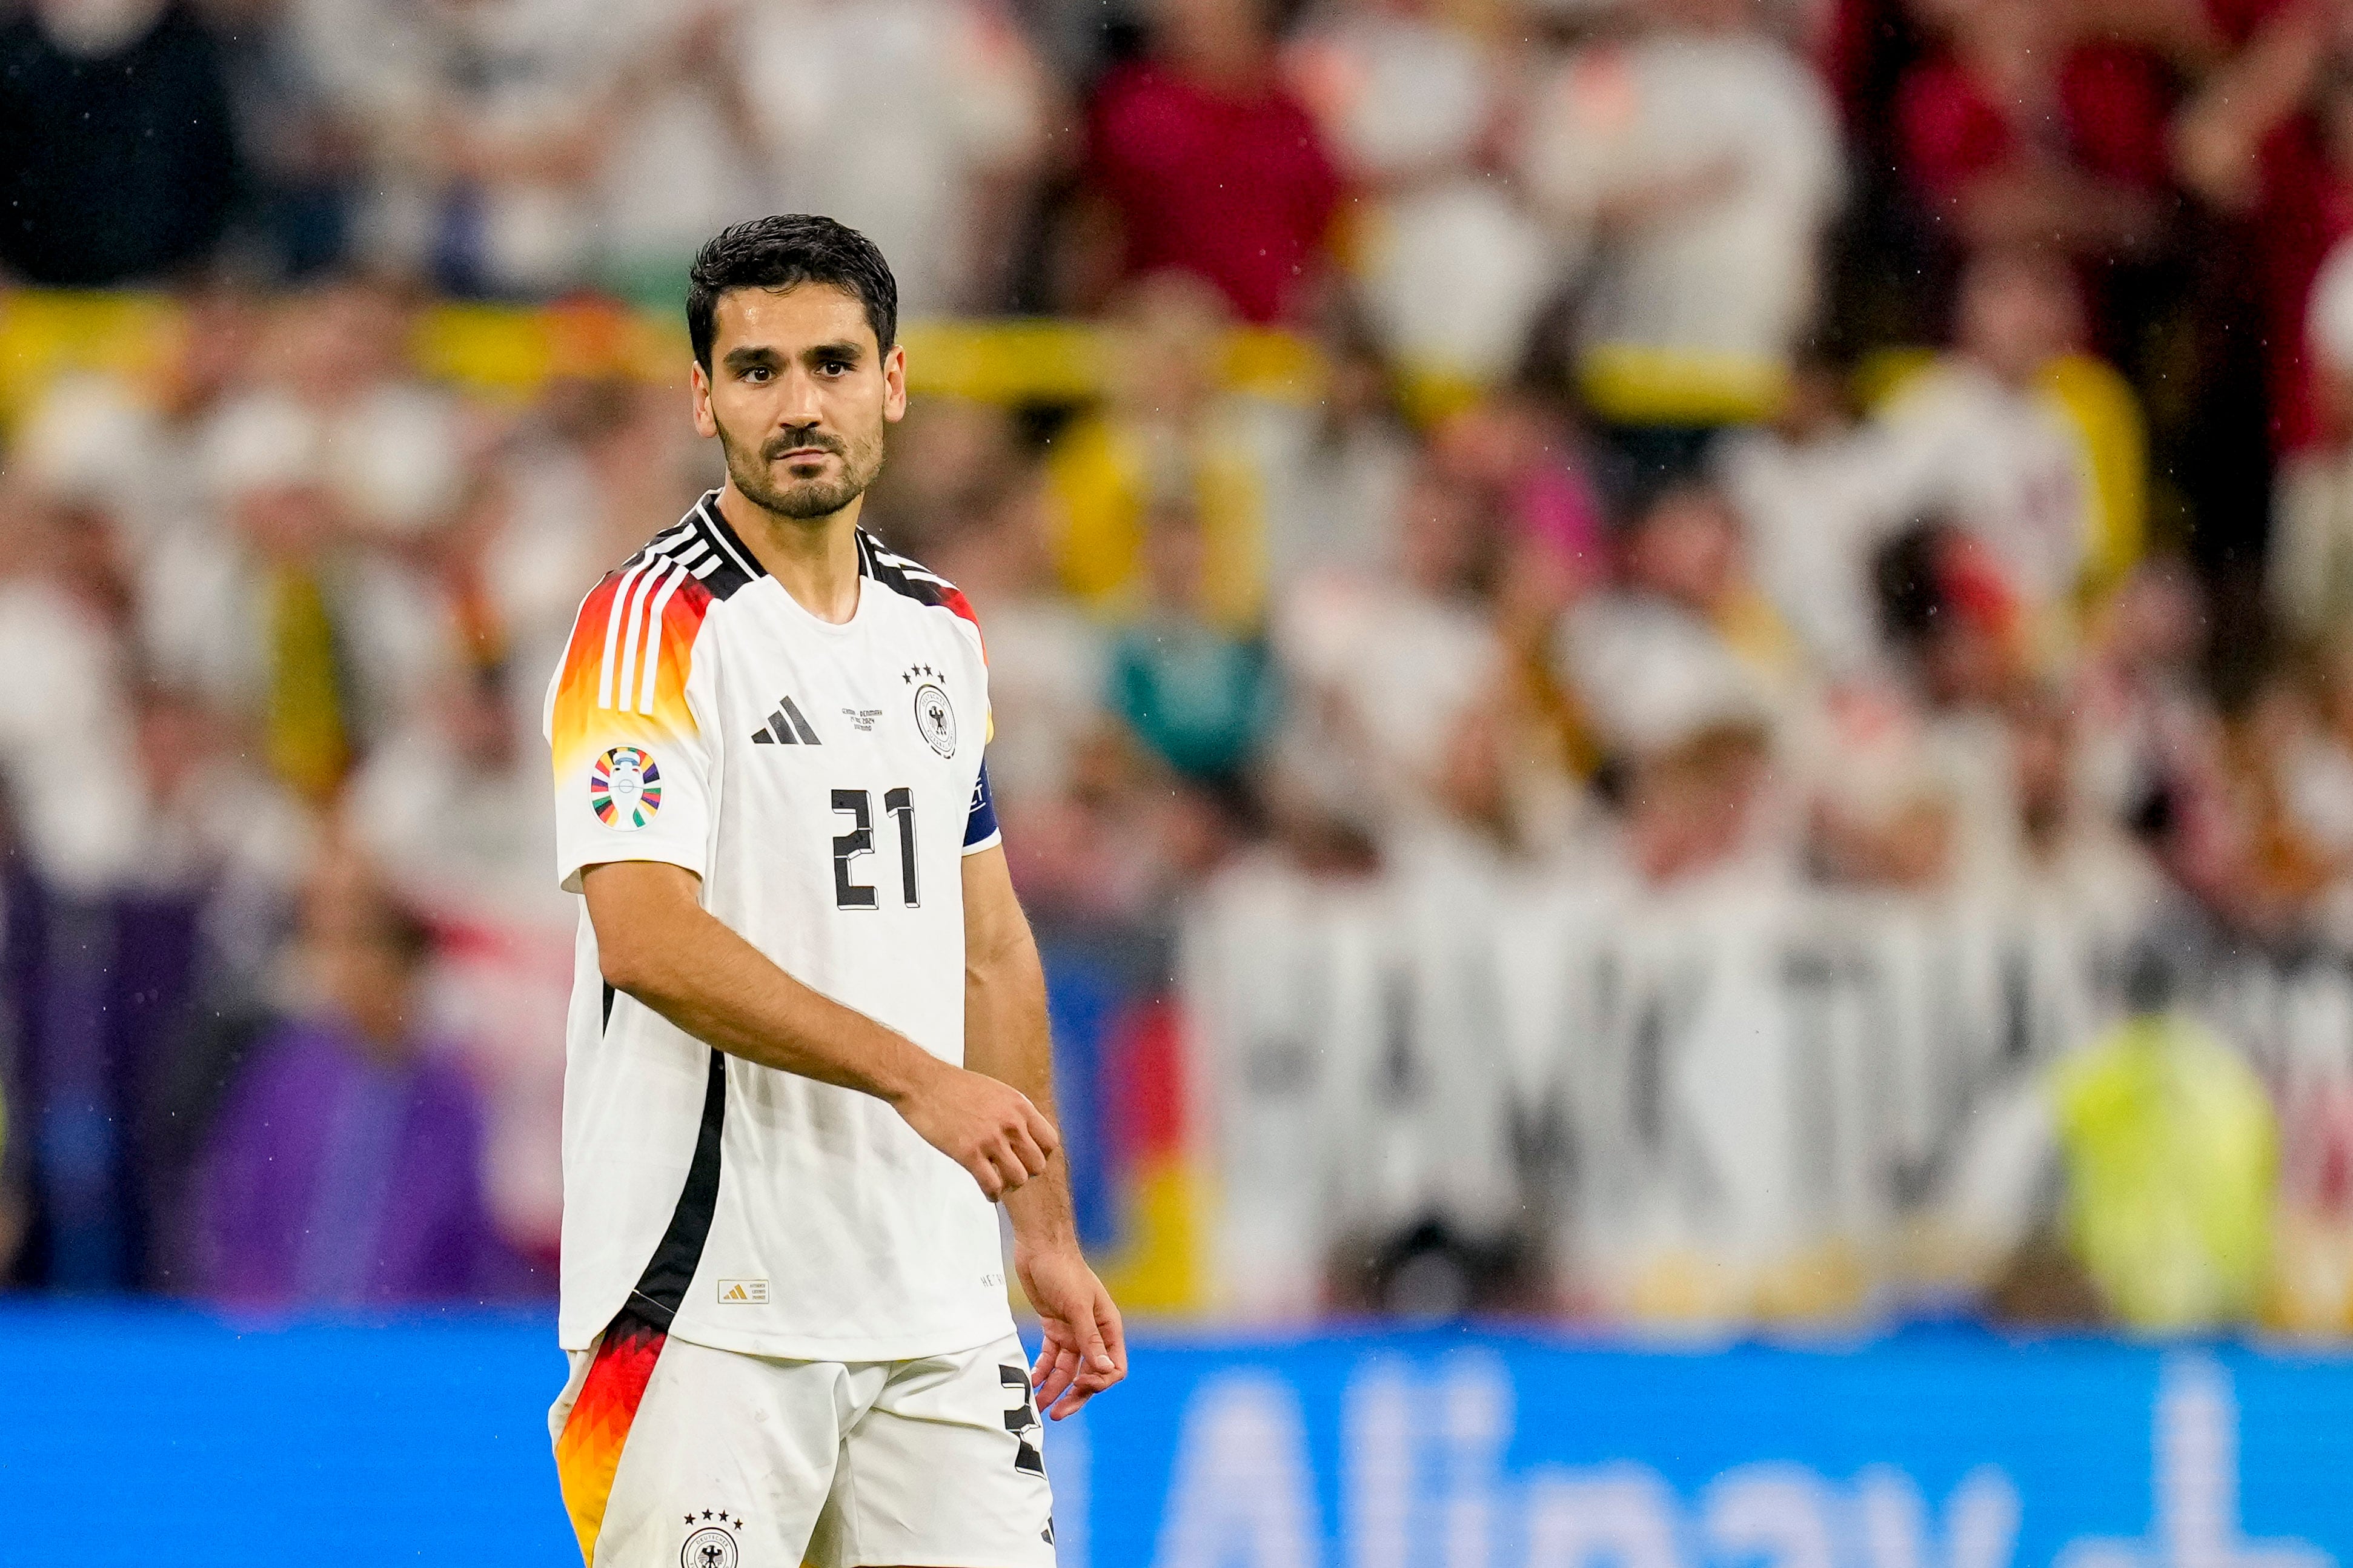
(857, 805)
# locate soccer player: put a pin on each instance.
(807, 1045)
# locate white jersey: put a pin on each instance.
(824, 781)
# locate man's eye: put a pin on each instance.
(834, 366)
(757, 373)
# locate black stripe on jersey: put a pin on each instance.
(696, 542)
(900, 575)
(736, 564)
(662, 1289)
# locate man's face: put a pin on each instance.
(798, 393)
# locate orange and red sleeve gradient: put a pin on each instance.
(624, 679)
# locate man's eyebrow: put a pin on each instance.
(844, 349)
(750, 355)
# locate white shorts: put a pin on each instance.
(674, 1455)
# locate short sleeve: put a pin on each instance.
(633, 763)
(980, 829)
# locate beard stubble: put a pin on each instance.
(802, 499)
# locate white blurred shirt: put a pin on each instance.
(1380, 677)
(66, 753)
(2006, 467)
(1732, 272)
(1048, 670)
(1408, 103)
(885, 114)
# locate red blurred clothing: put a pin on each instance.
(2236, 20)
(1239, 191)
(2307, 207)
(2112, 105)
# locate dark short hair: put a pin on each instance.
(785, 252)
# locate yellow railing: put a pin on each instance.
(504, 353)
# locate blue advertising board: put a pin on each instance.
(1944, 1450)
(143, 1435)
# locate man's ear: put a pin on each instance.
(706, 424)
(895, 384)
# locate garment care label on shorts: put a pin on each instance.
(743, 1292)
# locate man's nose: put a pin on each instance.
(800, 403)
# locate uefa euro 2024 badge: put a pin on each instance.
(935, 715)
(625, 788)
(709, 1540)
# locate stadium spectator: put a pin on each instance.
(937, 160)
(1695, 808)
(453, 806)
(674, 161)
(217, 829)
(1412, 102)
(1808, 510)
(345, 1168)
(1065, 772)
(66, 722)
(309, 613)
(1197, 696)
(2075, 862)
(484, 123)
(2171, 1154)
(389, 438)
(1200, 161)
(1684, 642)
(1336, 470)
(2311, 564)
(2269, 139)
(1700, 160)
(118, 152)
(2023, 128)
(1392, 674)
(1980, 438)
(1524, 459)
(131, 445)
(2302, 774)
(1166, 433)
(302, 155)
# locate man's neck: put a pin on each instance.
(814, 559)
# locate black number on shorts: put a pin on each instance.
(857, 805)
(1021, 1420)
(900, 804)
(847, 846)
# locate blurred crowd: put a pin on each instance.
(1899, 445)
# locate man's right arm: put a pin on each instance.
(656, 943)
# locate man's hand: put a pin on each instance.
(1085, 1349)
(988, 1126)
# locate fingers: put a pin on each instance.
(1020, 1150)
(1114, 1333)
(1042, 1132)
(1084, 1387)
(1000, 1172)
(1101, 1362)
(1057, 1368)
(983, 1171)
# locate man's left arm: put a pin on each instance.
(1006, 1036)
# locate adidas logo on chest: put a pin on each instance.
(787, 726)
